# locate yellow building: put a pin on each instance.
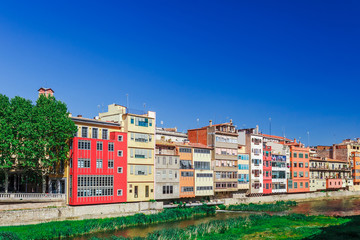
(243, 169)
(141, 150)
(204, 175)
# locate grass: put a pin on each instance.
(278, 206)
(62, 229)
(293, 226)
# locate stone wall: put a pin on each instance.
(34, 216)
(292, 197)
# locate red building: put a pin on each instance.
(98, 163)
(267, 170)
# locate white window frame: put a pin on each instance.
(119, 170)
(121, 192)
(120, 152)
(120, 138)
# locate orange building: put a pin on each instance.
(355, 163)
(187, 178)
(299, 169)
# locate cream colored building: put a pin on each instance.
(141, 150)
(243, 168)
(204, 175)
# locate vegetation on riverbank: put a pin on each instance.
(348, 231)
(265, 207)
(56, 230)
(293, 226)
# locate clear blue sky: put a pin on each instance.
(294, 61)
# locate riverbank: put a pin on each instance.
(60, 213)
(65, 229)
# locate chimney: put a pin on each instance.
(46, 92)
(79, 116)
(210, 123)
(257, 129)
(231, 121)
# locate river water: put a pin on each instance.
(338, 207)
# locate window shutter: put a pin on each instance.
(131, 169)
(131, 152)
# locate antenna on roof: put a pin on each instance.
(144, 108)
(270, 124)
(127, 101)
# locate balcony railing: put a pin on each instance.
(31, 196)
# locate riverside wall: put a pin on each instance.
(299, 197)
(33, 216)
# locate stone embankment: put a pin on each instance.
(33, 216)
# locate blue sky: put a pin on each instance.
(294, 61)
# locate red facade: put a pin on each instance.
(267, 170)
(98, 170)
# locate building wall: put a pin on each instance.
(267, 170)
(204, 176)
(243, 169)
(198, 136)
(167, 177)
(256, 165)
(280, 166)
(356, 168)
(91, 182)
(299, 170)
(187, 178)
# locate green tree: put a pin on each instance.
(21, 122)
(52, 131)
(6, 139)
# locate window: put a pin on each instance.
(95, 185)
(111, 147)
(301, 174)
(295, 185)
(84, 132)
(120, 170)
(120, 138)
(146, 191)
(141, 153)
(136, 191)
(301, 164)
(187, 189)
(301, 184)
(301, 155)
(202, 151)
(105, 134)
(99, 146)
(110, 163)
(167, 189)
(306, 155)
(306, 165)
(202, 165)
(140, 137)
(295, 164)
(204, 188)
(185, 164)
(306, 174)
(295, 174)
(187, 174)
(83, 163)
(207, 175)
(306, 184)
(95, 133)
(119, 192)
(120, 153)
(295, 155)
(185, 150)
(84, 145)
(99, 163)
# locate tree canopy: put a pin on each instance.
(33, 136)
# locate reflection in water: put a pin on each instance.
(338, 207)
